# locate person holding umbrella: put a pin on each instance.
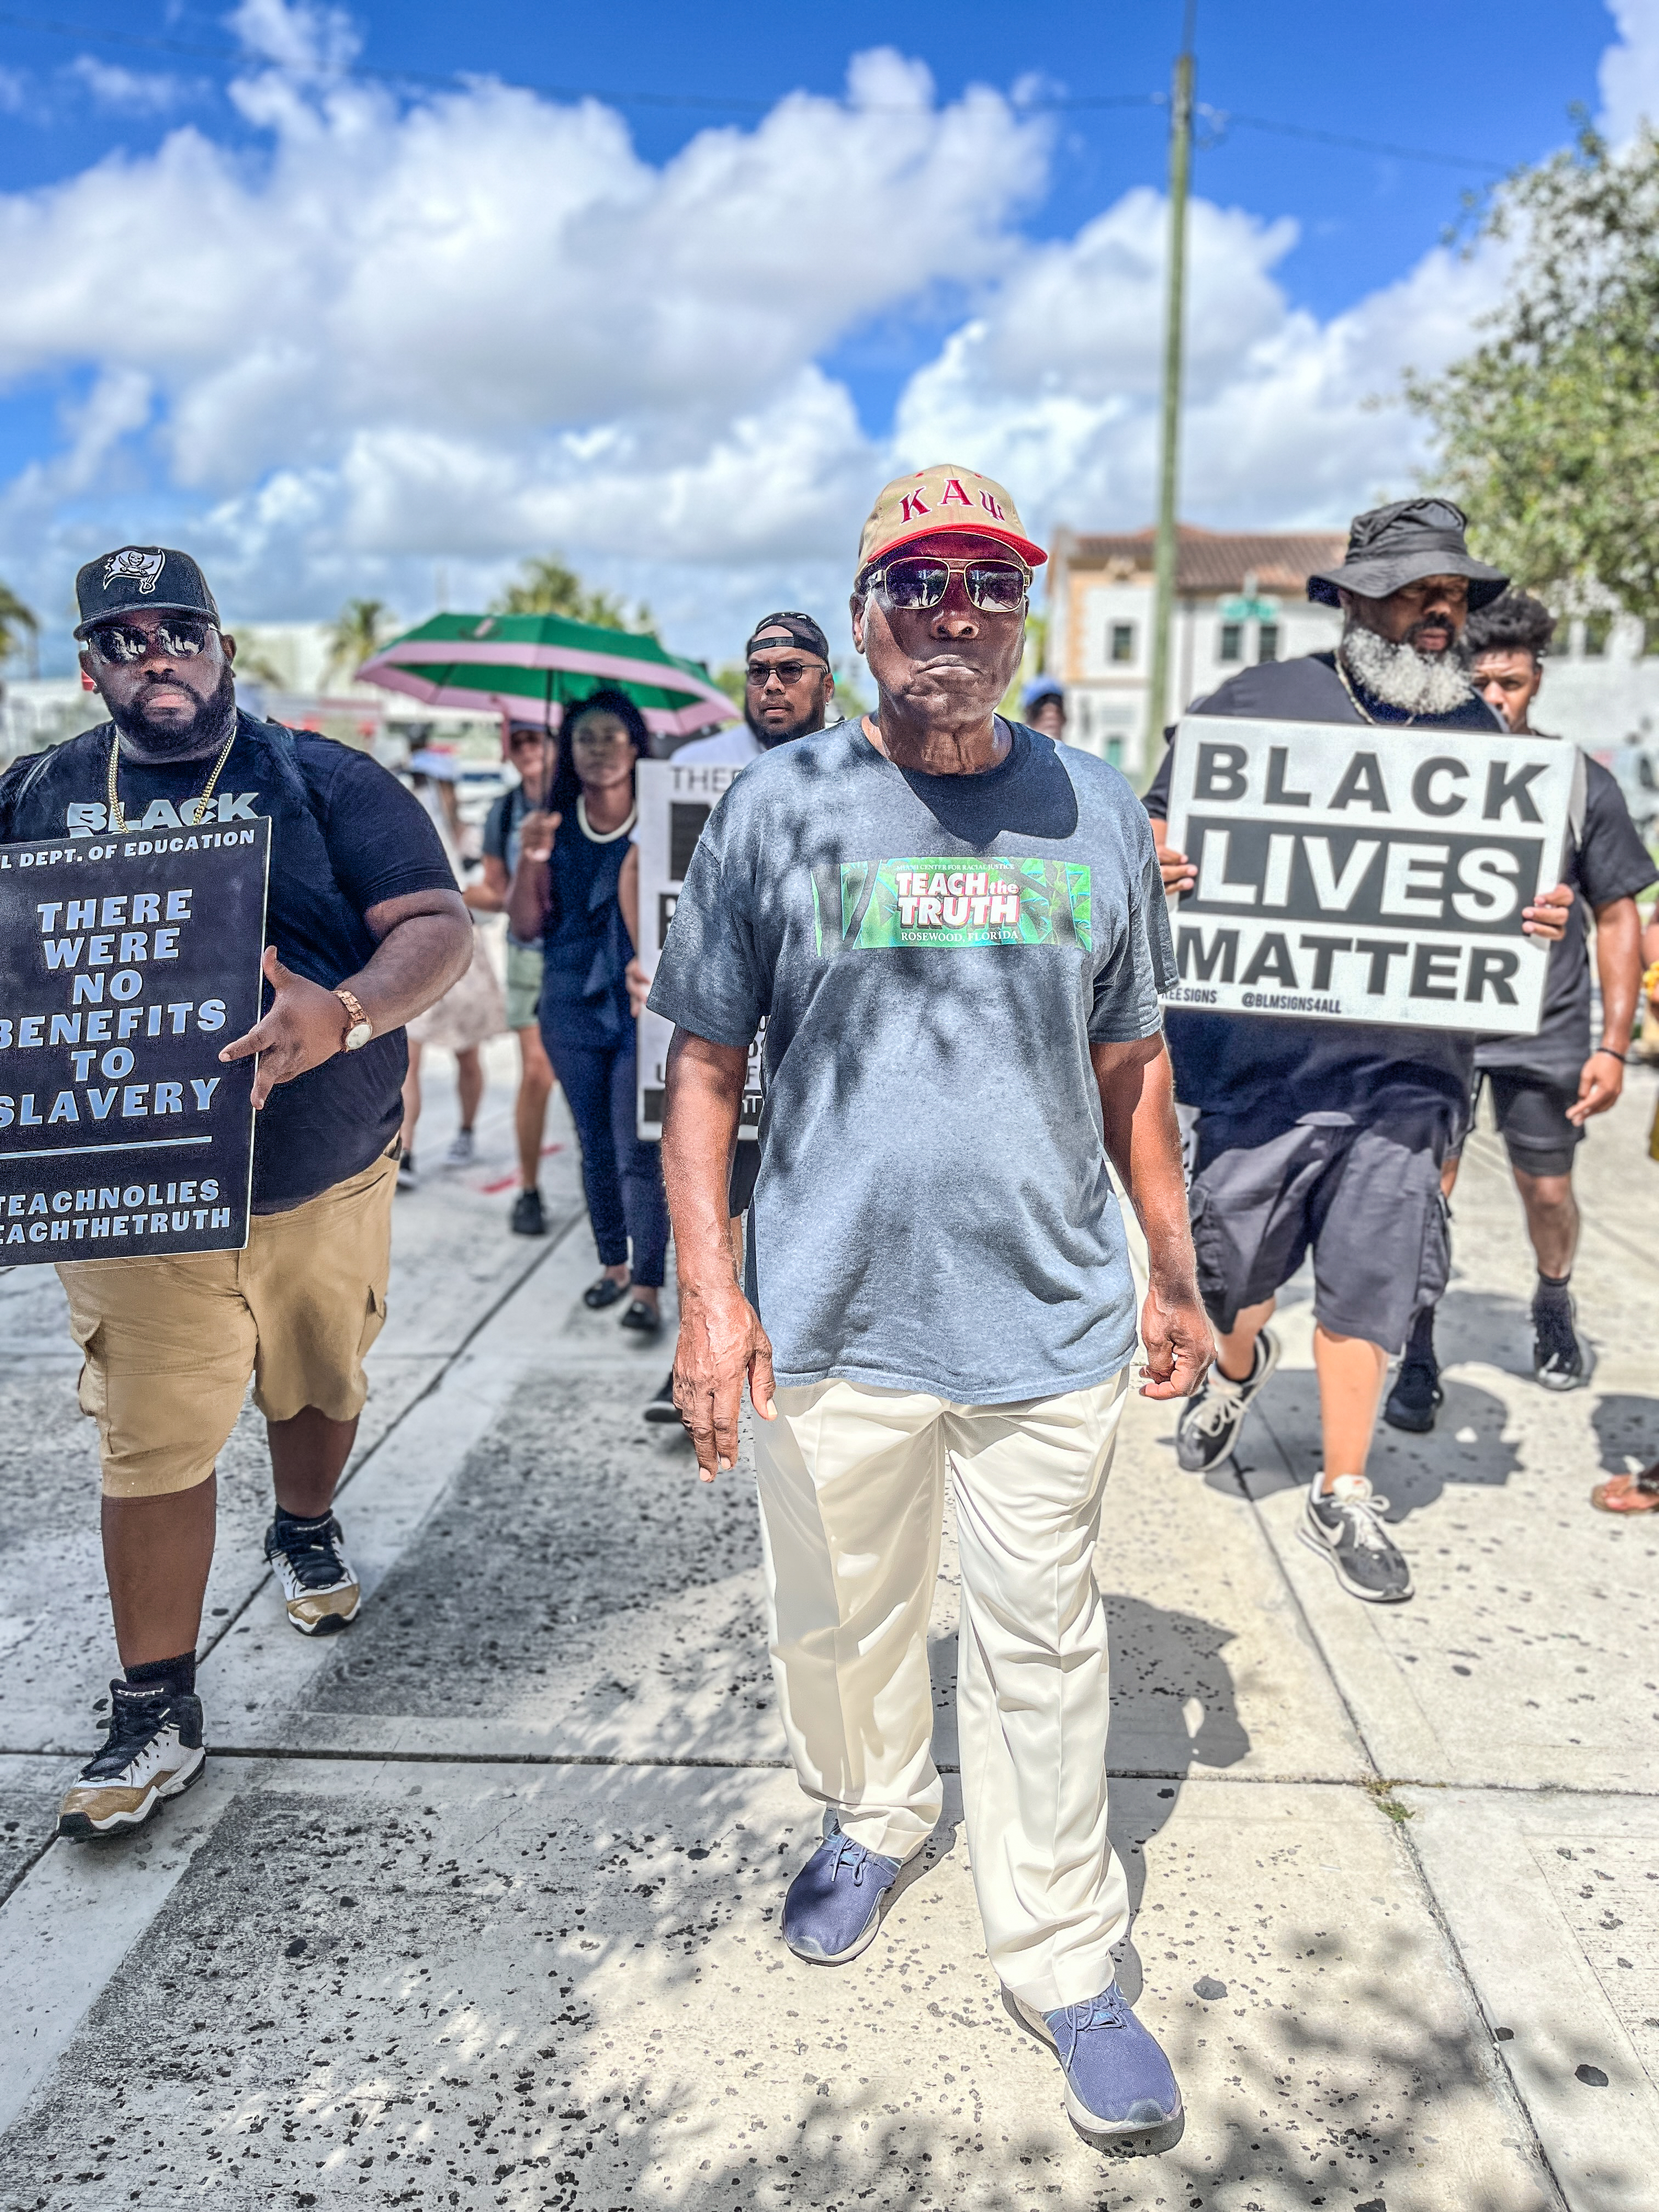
(563, 893)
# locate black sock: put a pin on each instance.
(294, 1527)
(176, 1676)
(1551, 1289)
(1419, 1345)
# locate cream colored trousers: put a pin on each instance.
(852, 1497)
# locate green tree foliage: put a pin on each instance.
(17, 623)
(360, 628)
(547, 587)
(1548, 432)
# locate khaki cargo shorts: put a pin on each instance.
(168, 1345)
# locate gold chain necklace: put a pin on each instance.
(190, 816)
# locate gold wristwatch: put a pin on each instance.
(359, 1029)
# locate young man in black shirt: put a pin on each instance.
(364, 929)
(1545, 1088)
(1328, 1136)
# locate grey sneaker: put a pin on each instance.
(1345, 1524)
(1210, 1423)
(463, 1150)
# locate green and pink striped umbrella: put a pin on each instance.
(529, 668)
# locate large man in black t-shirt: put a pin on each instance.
(1329, 1136)
(364, 929)
(1544, 1088)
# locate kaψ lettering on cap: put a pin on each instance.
(943, 497)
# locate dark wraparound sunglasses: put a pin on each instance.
(176, 637)
(995, 587)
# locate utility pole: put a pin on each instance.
(1181, 156)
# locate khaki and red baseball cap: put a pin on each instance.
(945, 497)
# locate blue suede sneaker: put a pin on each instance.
(1118, 2082)
(833, 1908)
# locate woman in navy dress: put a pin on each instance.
(564, 892)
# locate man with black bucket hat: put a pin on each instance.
(364, 929)
(1327, 1136)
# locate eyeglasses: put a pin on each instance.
(995, 587)
(787, 672)
(586, 734)
(522, 739)
(123, 644)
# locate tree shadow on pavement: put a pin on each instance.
(565, 1993)
(1469, 1444)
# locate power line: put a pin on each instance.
(1221, 120)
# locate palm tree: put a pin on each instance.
(547, 585)
(359, 629)
(14, 620)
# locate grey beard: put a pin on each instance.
(1417, 683)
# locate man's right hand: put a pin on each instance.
(1179, 873)
(720, 1342)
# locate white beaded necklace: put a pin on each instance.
(603, 837)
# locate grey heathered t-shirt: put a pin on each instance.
(933, 955)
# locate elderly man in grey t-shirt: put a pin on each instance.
(955, 930)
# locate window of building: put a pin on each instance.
(1267, 641)
(1120, 642)
(1232, 642)
(1596, 628)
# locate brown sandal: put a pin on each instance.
(1629, 1493)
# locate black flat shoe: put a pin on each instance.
(605, 1292)
(644, 1318)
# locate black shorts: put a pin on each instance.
(740, 1183)
(1366, 1201)
(1532, 1119)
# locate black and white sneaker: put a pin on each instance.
(320, 1588)
(1210, 1423)
(1344, 1523)
(1416, 1397)
(154, 1750)
(1558, 1352)
(661, 1409)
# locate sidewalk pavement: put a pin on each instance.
(478, 1904)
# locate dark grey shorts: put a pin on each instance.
(1366, 1201)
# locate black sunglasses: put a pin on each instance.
(913, 585)
(787, 672)
(174, 638)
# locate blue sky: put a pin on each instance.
(347, 334)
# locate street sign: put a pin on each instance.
(1366, 873)
(1242, 611)
(674, 805)
(124, 967)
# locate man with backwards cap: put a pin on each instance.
(788, 686)
(1331, 1136)
(954, 932)
(364, 929)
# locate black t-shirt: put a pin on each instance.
(1270, 1071)
(1609, 861)
(344, 836)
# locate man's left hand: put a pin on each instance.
(305, 1026)
(1599, 1082)
(1179, 1346)
(1548, 921)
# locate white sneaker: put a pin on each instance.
(463, 1146)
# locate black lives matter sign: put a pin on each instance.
(124, 966)
(1365, 874)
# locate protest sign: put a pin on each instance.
(674, 805)
(124, 966)
(1364, 873)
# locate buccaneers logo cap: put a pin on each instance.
(943, 497)
(135, 577)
